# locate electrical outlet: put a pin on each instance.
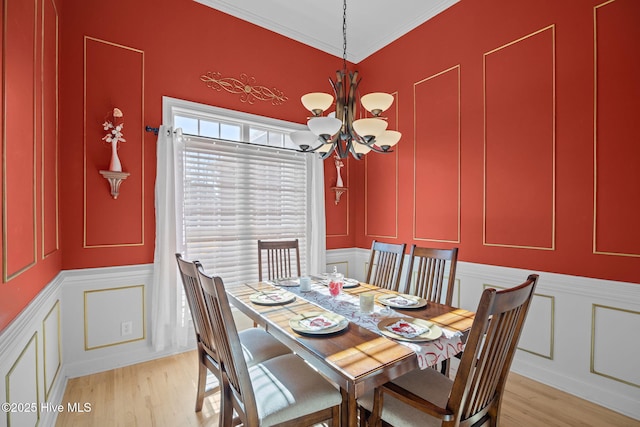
(126, 328)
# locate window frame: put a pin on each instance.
(175, 107)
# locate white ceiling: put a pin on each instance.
(371, 24)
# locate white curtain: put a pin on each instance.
(169, 320)
(317, 227)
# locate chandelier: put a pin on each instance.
(340, 132)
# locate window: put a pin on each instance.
(227, 128)
(237, 188)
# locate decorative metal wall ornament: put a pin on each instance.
(246, 87)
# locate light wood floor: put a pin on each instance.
(162, 393)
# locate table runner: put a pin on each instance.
(429, 353)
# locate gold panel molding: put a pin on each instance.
(415, 145)
(552, 28)
(142, 155)
(366, 184)
(246, 86)
(552, 323)
(5, 225)
(143, 317)
(33, 341)
(54, 313)
(595, 135)
(630, 335)
(45, 183)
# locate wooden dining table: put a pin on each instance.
(357, 359)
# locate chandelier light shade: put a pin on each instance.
(361, 149)
(341, 132)
(324, 126)
(388, 138)
(305, 139)
(376, 102)
(369, 128)
(317, 102)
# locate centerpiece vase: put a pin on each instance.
(115, 165)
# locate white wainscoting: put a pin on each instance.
(580, 335)
(92, 319)
(30, 361)
(73, 328)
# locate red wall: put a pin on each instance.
(497, 109)
(154, 49)
(31, 255)
(513, 81)
(125, 54)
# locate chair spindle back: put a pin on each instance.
(385, 264)
(277, 255)
(428, 267)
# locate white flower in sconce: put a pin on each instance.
(114, 137)
(114, 133)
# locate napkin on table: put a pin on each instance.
(317, 323)
(272, 296)
(406, 329)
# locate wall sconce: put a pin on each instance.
(115, 179)
(114, 137)
(339, 192)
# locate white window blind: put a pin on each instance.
(234, 194)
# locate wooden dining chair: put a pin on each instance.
(426, 279)
(473, 398)
(259, 345)
(277, 255)
(426, 273)
(283, 391)
(385, 264)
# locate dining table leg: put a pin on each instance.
(349, 412)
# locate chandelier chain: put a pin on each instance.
(344, 35)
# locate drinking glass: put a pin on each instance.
(336, 281)
(366, 303)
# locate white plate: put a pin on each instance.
(387, 300)
(296, 325)
(433, 331)
(275, 297)
(287, 282)
(350, 283)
